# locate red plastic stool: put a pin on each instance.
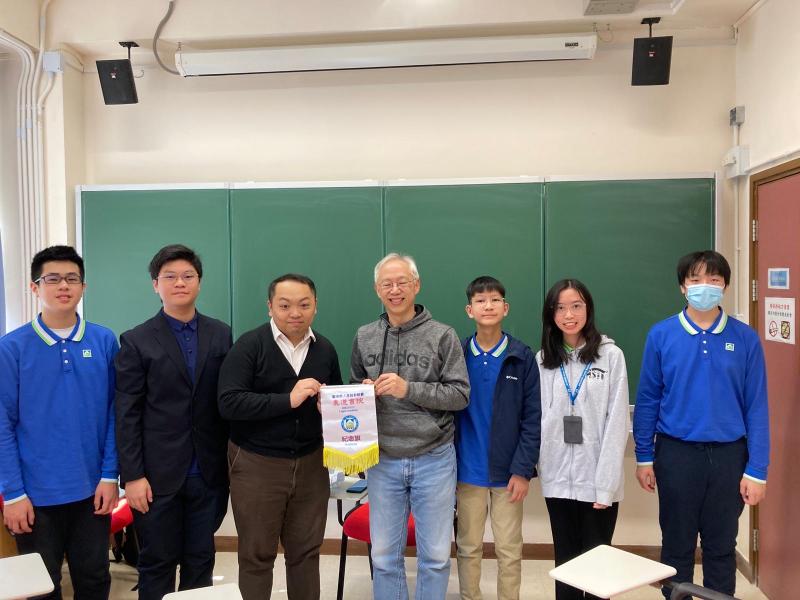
(356, 526)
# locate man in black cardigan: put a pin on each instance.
(170, 437)
(268, 390)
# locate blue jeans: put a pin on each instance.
(425, 485)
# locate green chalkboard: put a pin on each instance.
(459, 232)
(623, 239)
(123, 229)
(332, 235)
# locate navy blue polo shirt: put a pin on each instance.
(186, 336)
(475, 422)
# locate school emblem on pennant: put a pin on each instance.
(349, 427)
(87, 354)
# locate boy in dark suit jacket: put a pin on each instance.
(172, 441)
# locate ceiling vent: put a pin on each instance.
(609, 7)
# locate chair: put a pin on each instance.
(124, 544)
(121, 516)
(356, 526)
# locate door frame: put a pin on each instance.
(757, 179)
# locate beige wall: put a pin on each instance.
(65, 155)
(21, 19)
(637, 523)
(572, 117)
(768, 81)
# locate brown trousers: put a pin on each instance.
(276, 499)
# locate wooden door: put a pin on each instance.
(776, 200)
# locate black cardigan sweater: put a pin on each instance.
(254, 385)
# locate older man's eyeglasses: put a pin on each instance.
(402, 284)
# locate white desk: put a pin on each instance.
(339, 493)
(606, 571)
(23, 576)
(228, 591)
(339, 490)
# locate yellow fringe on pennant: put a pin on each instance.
(351, 463)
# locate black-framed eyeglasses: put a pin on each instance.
(55, 279)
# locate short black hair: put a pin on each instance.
(714, 263)
(175, 252)
(291, 277)
(53, 253)
(484, 283)
(553, 352)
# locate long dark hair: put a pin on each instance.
(553, 352)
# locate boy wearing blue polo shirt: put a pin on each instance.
(58, 459)
(701, 425)
(497, 442)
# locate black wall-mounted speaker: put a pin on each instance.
(651, 60)
(116, 81)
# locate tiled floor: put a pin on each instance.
(536, 583)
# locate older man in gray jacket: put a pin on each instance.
(417, 367)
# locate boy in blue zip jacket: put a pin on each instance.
(701, 424)
(497, 442)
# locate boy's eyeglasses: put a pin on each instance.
(576, 308)
(495, 302)
(55, 279)
(403, 284)
(172, 278)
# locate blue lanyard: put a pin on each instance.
(574, 396)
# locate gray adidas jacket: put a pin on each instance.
(591, 471)
(428, 355)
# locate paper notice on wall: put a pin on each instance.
(779, 320)
(778, 278)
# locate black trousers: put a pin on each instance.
(72, 529)
(698, 493)
(577, 528)
(179, 530)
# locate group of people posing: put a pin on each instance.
(182, 417)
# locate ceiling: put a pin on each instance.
(243, 23)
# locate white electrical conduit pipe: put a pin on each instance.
(24, 139)
(30, 148)
(737, 250)
(38, 134)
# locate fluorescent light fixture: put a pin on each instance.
(375, 55)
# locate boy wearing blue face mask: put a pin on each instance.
(701, 425)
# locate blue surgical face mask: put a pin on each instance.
(704, 296)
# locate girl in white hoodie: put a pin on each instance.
(584, 387)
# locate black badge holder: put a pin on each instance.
(573, 429)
